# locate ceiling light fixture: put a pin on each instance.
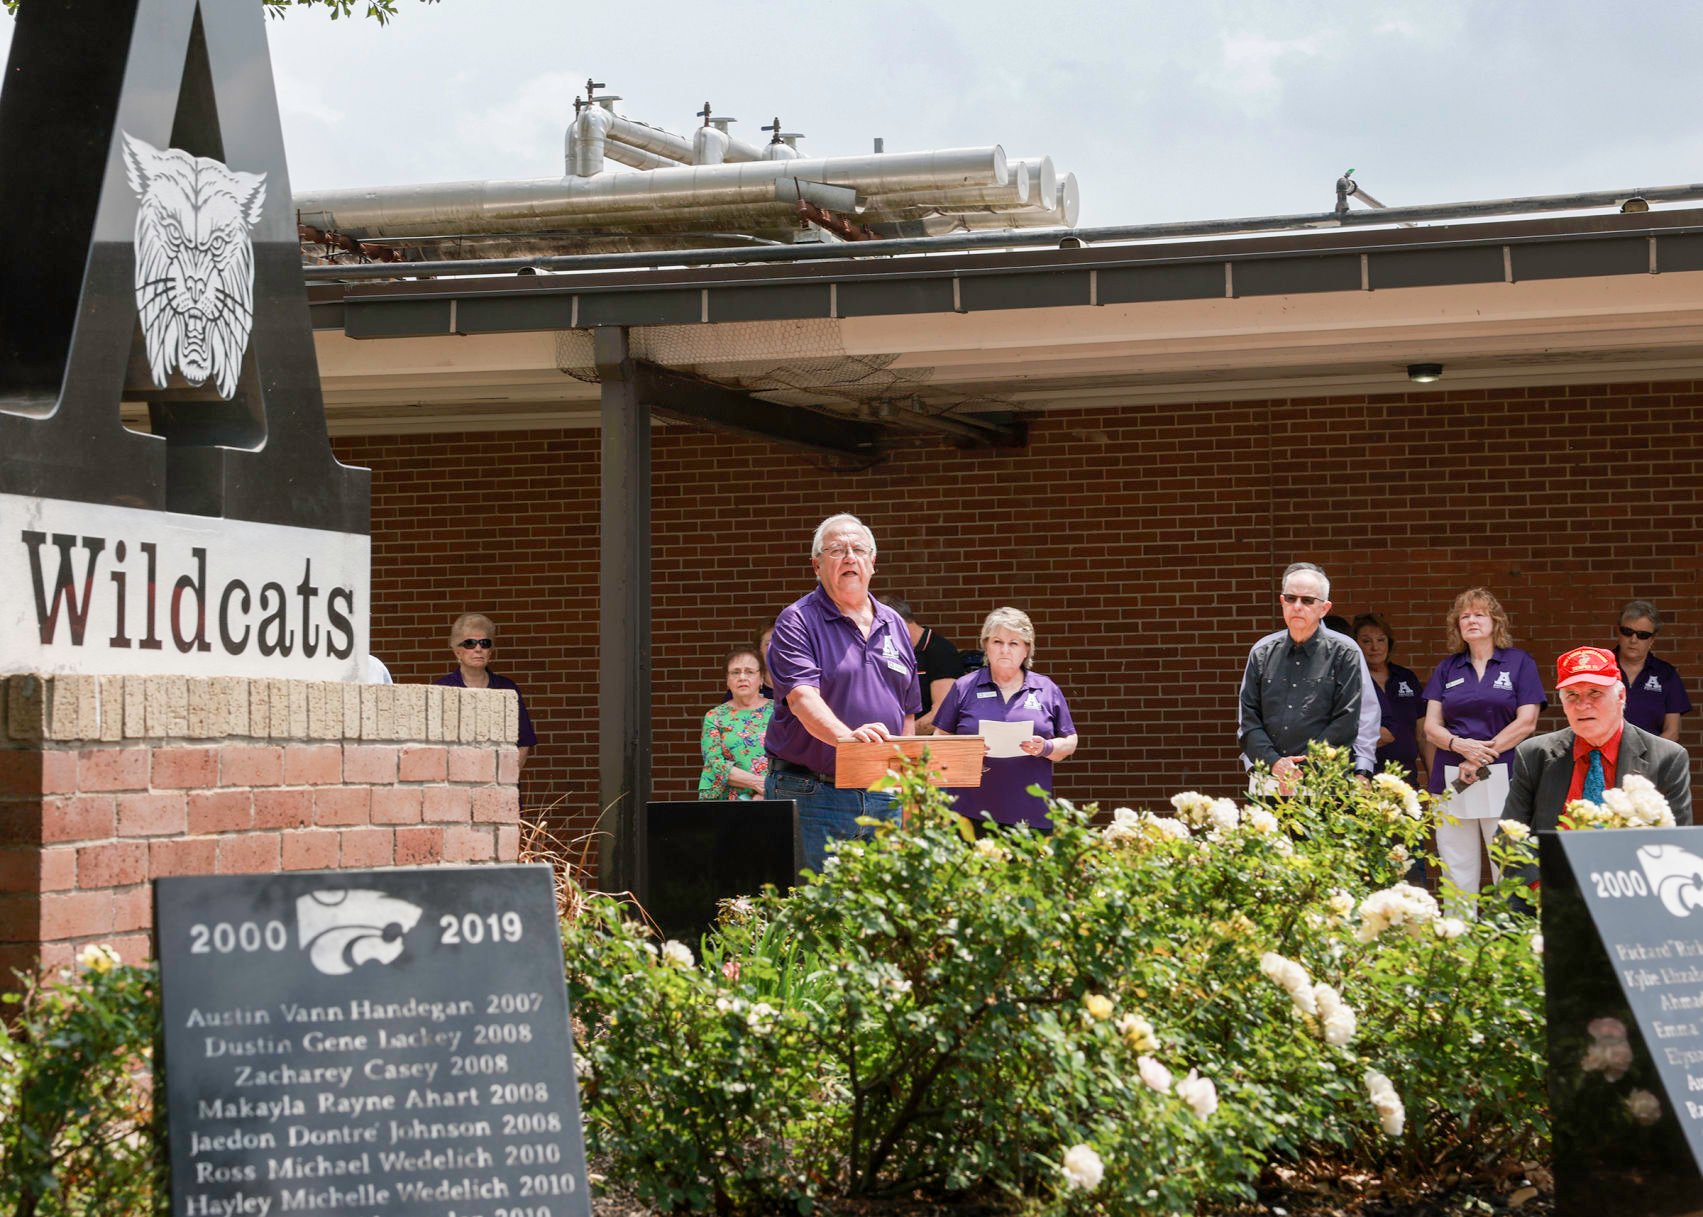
(1424, 373)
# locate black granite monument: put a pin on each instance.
(1623, 974)
(150, 258)
(390, 1043)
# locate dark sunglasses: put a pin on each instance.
(1292, 598)
(1627, 631)
(467, 644)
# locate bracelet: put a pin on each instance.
(1451, 743)
(1047, 748)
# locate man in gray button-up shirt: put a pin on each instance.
(1301, 685)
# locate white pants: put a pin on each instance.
(1457, 846)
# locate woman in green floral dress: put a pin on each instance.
(734, 761)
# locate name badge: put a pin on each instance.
(988, 693)
(900, 668)
(1459, 680)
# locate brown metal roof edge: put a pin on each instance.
(1094, 257)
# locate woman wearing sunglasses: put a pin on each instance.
(1655, 696)
(473, 640)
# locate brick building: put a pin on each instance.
(1169, 425)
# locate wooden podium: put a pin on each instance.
(953, 760)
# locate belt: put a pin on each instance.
(784, 766)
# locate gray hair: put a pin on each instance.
(1015, 621)
(466, 622)
(900, 606)
(1641, 608)
(842, 520)
(1308, 568)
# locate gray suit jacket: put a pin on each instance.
(1543, 770)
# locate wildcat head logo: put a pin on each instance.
(344, 928)
(1675, 875)
(194, 261)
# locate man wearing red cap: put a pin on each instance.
(1598, 750)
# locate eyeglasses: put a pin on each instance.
(1303, 601)
(743, 672)
(848, 551)
(1627, 631)
(468, 644)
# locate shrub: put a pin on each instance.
(1128, 1019)
(76, 1131)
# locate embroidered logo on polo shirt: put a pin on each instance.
(1404, 689)
(1652, 685)
(1503, 681)
(888, 650)
(1032, 702)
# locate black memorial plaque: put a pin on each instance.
(697, 854)
(1623, 973)
(376, 1043)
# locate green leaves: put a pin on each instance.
(76, 1056)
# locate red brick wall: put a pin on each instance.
(87, 818)
(1144, 542)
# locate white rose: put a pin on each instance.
(1083, 1168)
(1392, 1116)
(1514, 830)
(1199, 1093)
(678, 954)
(1449, 927)
(1154, 1074)
(1644, 1107)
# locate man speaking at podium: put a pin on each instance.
(1597, 750)
(843, 669)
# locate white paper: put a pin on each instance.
(1482, 800)
(1005, 739)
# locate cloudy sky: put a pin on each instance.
(1164, 111)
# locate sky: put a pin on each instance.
(1164, 111)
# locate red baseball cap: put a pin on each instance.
(1586, 666)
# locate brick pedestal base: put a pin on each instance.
(107, 782)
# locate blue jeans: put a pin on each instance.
(826, 812)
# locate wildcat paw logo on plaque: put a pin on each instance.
(169, 501)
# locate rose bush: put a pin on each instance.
(1132, 1018)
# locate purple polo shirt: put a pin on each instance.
(1657, 693)
(1401, 704)
(863, 680)
(1004, 793)
(1478, 709)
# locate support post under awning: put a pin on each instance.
(623, 629)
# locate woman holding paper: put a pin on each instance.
(1024, 717)
(1481, 701)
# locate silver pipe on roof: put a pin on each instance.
(1013, 193)
(1064, 215)
(636, 158)
(665, 144)
(422, 210)
(1043, 179)
(709, 145)
(587, 140)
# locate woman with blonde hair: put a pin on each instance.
(1481, 701)
(1009, 691)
